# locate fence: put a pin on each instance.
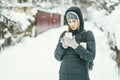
(45, 21)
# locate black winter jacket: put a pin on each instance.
(74, 65)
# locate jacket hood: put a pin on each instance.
(80, 16)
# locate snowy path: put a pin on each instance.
(33, 59)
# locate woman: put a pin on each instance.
(70, 49)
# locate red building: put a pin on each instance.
(46, 20)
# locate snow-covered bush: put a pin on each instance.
(14, 27)
(109, 23)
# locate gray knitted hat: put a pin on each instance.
(72, 15)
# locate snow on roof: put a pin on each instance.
(20, 4)
(59, 9)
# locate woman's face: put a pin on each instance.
(73, 24)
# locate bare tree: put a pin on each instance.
(103, 5)
(113, 46)
(84, 4)
(21, 1)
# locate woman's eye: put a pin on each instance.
(69, 21)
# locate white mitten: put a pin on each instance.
(71, 42)
(83, 44)
(63, 43)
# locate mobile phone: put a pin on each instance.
(68, 34)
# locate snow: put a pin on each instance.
(8, 33)
(111, 23)
(108, 22)
(1, 41)
(14, 4)
(20, 18)
(58, 9)
(33, 58)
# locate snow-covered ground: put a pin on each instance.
(33, 58)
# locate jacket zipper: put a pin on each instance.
(69, 68)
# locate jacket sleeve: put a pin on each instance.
(59, 51)
(89, 53)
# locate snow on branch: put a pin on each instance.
(14, 28)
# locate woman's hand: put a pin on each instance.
(70, 42)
